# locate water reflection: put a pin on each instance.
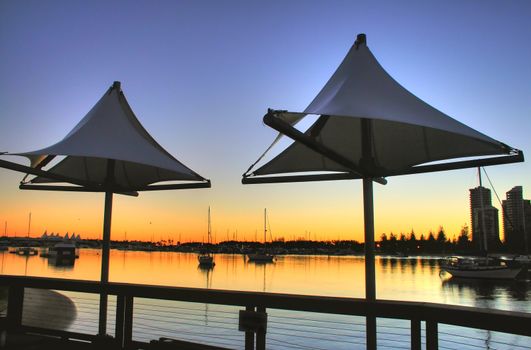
(405, 265)
(62, 264)
(413, 262)
(207, 271)
(483, 290)
(397, 278)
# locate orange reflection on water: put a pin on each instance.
(412, 278)
(291, 274)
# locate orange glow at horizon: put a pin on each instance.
(318, 211)
(208, 113)
(184, 217)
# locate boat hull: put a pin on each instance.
(260, 258)
(485, 273)
(206, 260)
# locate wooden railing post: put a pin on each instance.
(416, 342)
(249, 335)
(15, 302)
(124, 321)
(119, 325)
(370, 329)
(432, 335)
(261, 334)
(128, 321)
(252, 319)
(102, 323)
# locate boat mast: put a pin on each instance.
(265, 226)
(29, 224)
(483, 231)
(526, 243)
(209, 227)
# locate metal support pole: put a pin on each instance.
(107, 216)
(106, 238)
(367, 162)
(370, 284)
(105, 261)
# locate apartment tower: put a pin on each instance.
(484, 220)
(517, 221)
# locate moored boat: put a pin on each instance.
(480, 267)
(63, 250)
(485, 266)
(206, 260)
(262, 256)
(26, 251)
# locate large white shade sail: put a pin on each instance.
(370, 127)
(362, 101)
(107, 151)
(111, 131)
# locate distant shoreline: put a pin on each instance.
(408, 246)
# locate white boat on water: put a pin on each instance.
(262, 256)
(485, 267)
(480, 267)
(205, 258)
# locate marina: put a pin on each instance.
(355, 123)
(414, 279)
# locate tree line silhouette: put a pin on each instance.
(432, 243)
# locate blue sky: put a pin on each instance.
(201, 74)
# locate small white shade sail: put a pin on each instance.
(110, 130)
(404, 131)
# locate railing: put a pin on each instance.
(249, 319)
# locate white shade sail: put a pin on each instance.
(403, 130)
(370, 127)
(110, 131)
(107, 151)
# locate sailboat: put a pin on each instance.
(262, 256)
(206, 259)
(27, 251)
(484, 267)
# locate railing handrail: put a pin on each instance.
(495, 320)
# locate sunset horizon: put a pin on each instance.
(208, 113)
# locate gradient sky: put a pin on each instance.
(201, 74)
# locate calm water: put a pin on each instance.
(412, 279)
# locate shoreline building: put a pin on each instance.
(517, 220)
(484, 220)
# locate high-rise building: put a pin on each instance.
(517, 220)
(484, 220)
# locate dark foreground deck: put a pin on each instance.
(249, 317)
